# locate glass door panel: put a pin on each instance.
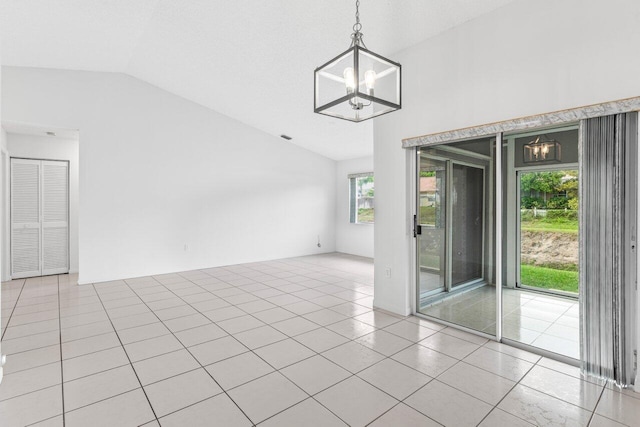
(432, 219)
(455, 265)
(540, 305)
(467, 217)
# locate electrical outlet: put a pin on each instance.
(387, 272)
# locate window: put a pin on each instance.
(361, 206)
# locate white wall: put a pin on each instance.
(356, 239)
(3, 236)
(158, 172)
(529, 57)
(54, 148)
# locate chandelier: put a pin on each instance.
(542, 149)
(358, 84)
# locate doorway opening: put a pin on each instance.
(41, 200)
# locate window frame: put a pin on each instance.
(354, 197)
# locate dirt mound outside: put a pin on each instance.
(550, 249)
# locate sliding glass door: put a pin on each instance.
(529, 281)
(454, 259)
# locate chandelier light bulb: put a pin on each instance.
(370, 80)
(545, 150)
(349, 79)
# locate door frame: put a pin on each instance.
(5, 205)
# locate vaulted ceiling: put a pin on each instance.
(248, 59)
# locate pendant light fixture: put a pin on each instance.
(358, 84)
(542, 149)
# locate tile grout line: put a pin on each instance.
(61, 360)
(533, 365)
(593, 414)
(316, 353)
(129, 359)
(24, 281)
(257, 355)
(252, 350)
(321, 355)
(354, 339)
(352, 374)
(462, 391)
(187, 349)
(320, 327)
(276, 370)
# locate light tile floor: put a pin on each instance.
(542, 320)
(292, 342)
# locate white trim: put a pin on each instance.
(413, 159)
(552, 167)
(498, 234)
(359, 175)
(512, 208)
(5, 226)
(636, 383)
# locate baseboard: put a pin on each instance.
(401, 311)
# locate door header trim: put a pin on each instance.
(552, 119)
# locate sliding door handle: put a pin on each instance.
(417, 228)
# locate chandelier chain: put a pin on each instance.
(356, 36)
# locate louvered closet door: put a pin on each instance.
(25, 218)
(39, 217)
(55, 217)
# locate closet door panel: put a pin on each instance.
(55, 217)
(25, 218)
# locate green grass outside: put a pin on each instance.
(427, 214)
(549, 278)
(365, 215)
(553, 225)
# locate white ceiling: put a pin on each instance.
(251, 60)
